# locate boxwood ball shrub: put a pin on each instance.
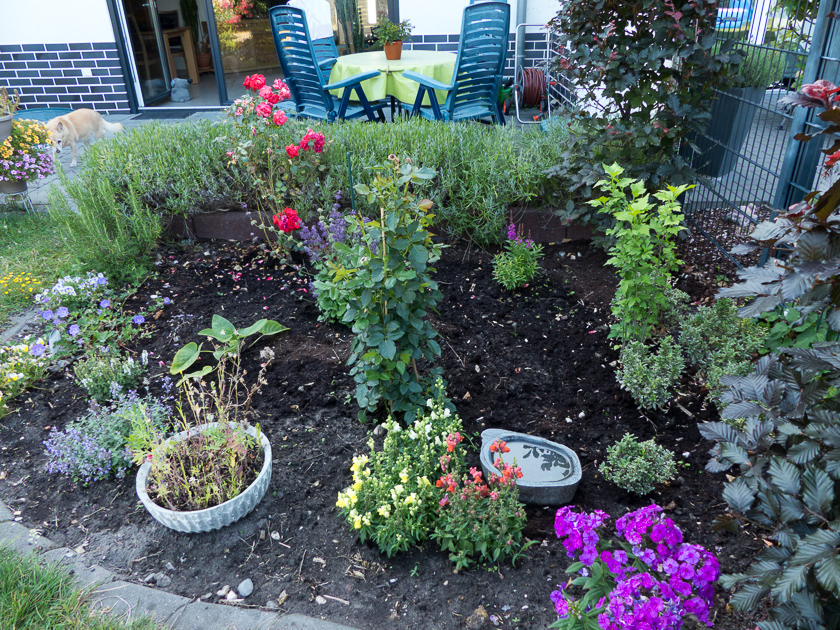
(636, 466)
(650, 375)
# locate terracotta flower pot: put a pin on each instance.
(206, 520)
(204, 61)
(393, 51)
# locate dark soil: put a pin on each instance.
(537, 361)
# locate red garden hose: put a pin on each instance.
(531, 87)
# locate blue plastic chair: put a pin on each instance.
(302, 71)
(736, 17)
(474, 89)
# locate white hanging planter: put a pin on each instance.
(192, 522)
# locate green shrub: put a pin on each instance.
(106, 232)
(391, 294)
(638, 466)
(650, 72)
(518, 265)
(644, 253)
(175, 168)
(718, 342)
(106, 377)
(482, 170)
(649, 376)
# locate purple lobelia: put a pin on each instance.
(653, 580)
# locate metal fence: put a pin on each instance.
(750, 162)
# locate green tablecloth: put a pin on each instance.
(437, 65)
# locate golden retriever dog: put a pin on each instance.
(79, 126)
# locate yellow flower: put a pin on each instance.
(357, 524)
(384, 511)
(411, 498)
(357, 486)
(404, 476)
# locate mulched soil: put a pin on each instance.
(537, 361)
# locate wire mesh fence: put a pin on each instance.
(748, 162)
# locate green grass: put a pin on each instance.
(30, 245)
(34, 596)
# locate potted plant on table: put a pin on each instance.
(8, 106)
(392, 35)
(214, 471)
(25, 155)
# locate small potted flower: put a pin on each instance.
(8, 106)
(392, 35)
(25, 155)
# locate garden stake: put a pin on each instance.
(350, 176)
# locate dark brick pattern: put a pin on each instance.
(536, 47)
(50, 75)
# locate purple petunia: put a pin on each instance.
(47, 315)
(167, 301)
(37, 349)
(138, 319)
(62, 312)
(104, 304)
(73, 330)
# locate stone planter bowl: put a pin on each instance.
(215, 517)
(551, 472)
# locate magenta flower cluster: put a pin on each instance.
(656, 578)
(516, 237)
(26, 166)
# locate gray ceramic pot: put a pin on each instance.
(214, 517)
(5, 127)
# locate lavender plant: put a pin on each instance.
(517, 266)
(652, 580)
(94, 447)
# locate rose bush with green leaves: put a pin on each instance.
(391, 292)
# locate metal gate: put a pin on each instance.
(750, 162)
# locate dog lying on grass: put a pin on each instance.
(79, 126)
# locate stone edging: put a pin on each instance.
(116, 597)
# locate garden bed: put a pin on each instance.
(535, 361)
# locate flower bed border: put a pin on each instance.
(542, 225)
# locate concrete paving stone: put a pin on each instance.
(5, 513)
(92, 576)
(132, 601)
(203, 616)
(302, 622)
(22, 539)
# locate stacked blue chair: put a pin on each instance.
(302, 72)
(474, 90)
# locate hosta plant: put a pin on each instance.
(788, 454)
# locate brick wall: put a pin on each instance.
(536, 47)
(54, 75)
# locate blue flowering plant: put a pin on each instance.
(83, 313)
(21, 364)
(649, 579)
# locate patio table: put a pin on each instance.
(437, 65)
